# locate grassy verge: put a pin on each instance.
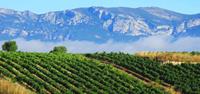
(7, 87)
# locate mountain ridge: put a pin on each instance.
(97, 7)
(98, 24)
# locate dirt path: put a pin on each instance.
(167, 87)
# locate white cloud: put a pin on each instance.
(153, 43)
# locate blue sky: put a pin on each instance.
(41, 6)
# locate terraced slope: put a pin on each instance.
(183, 77)
(67, 74)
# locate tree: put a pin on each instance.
(10, 46)
(59, 49)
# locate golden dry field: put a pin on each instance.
(172, 57)
(7, 87)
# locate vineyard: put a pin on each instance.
(184, 77)
(46, 73)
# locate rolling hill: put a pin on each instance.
(182, 77)
(45, 73)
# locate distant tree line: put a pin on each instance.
(11, 46)
(195, 53)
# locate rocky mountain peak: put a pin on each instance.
(121, 24)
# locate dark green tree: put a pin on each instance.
(59, 49)
(10, 46)
(195, 53)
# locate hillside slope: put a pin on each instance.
(183, 77)
(46, 73)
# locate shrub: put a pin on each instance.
(59, 49)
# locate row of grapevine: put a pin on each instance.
(67, 73)
(185, 77)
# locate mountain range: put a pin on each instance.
(97, 24)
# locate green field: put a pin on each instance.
(45, 73)
(184, 77)
(98, 73)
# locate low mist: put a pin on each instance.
(152, 43)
